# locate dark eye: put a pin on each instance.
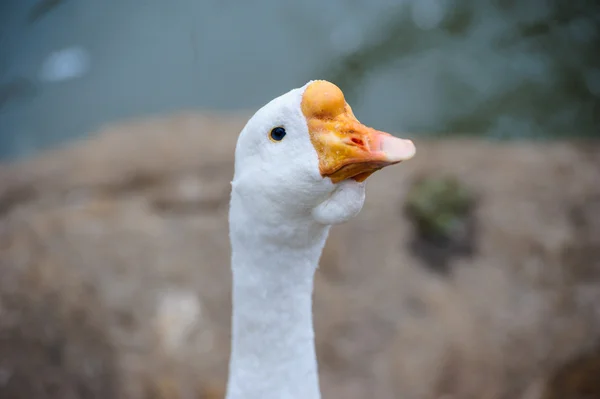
(277, 134)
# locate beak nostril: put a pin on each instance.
(357, 141)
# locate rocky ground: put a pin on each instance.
(114, 273)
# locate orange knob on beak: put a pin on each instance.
(346, 148)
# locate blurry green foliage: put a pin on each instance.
(439, 206)
(526, 73)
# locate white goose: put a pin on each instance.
(300, 166)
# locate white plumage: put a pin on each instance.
(285, 196)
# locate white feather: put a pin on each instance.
(280, 212)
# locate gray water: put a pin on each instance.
(500, 69)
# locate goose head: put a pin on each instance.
(304, 155)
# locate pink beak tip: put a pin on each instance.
(397, 149)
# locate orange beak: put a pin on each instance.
(346, 148)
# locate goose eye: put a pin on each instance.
(277, 134)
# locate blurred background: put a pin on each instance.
(118, 121)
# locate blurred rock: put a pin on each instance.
(65, 64)
(115, 282)
(577, 379)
